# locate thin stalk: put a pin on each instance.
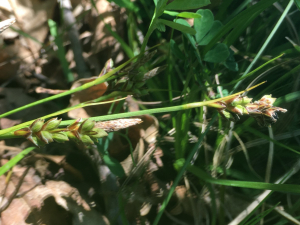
(80, 105)
(287, 9)
(149, 32)
(269, 167)
(9, 134)
(152, 24)
(181, 172)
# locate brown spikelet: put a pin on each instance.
(115, 125)
(154, 72)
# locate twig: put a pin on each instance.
(73, 35)
(14, 194)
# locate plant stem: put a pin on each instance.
(8, 133)
(182, 170)
(80, 105)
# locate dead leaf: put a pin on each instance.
(56, 202)
(31, 18)
(6, 123)
(87, 95)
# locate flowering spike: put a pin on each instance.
(86, 140)
(267, 99)
(37, 125)
(45, 136)
(74, 135)
(40, 133)
(74, 126)
(241, 101)
(51, 124)
(60, 137)
(35, 141)
(99, 133)
(86, 126)
(262, 110)
(25, 132)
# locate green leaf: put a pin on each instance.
(204, 24)
(15, 160)
(187, 4)
(189, 15)
(230, 62)
(177, 26)
(218, 54)
(216, 27)
(245, 16)
(160, 6)
(183, 14)
(60, 50)
(114, 166)
(190, 37)
(161, 27)
(171, 13)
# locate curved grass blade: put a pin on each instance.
(15, 160)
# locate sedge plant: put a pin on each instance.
(201, 46)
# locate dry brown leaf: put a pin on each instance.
(111, 16)
(31, 18)
(6, 123)
(63, 202)
(87, 95)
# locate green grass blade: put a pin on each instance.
(182, 170)
(15, 160)
(282, 17)
(254, 10)
(60, 50)
(260, 134)
(244, 184)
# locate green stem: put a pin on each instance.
(8, 133)
(182, 170)
(149, 32)
(80, 105)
